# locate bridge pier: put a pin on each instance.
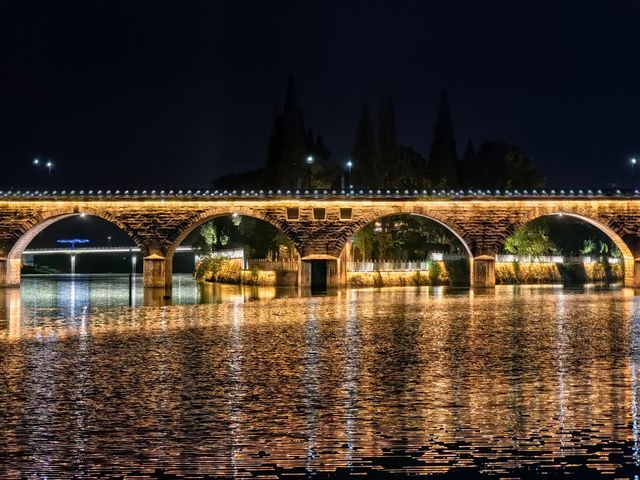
(636, 273)
(10, 272)
(155, 269)
(483, 271)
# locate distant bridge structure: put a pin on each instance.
(319, 223)
(92, 250)
(73, 252)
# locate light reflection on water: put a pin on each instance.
(235, 381)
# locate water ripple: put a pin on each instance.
(247, 383)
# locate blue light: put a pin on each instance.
(73, 241)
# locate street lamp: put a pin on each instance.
(36, 161)
(49, 166)
(309, 162)
(349, 165)
(633, 171)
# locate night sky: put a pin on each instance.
(171, 94)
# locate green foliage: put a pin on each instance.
(604, 247)
(217, 269)
(363, 242)
(258, 238)
(403, 237)
(434, 272)
(589, 246)
(532, 239)
(209, 234)
(562, 235)
(213, 235)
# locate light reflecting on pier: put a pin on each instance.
(237, 381)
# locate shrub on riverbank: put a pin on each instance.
(514, 272)
(570, 273)
(225, 270)
(216, 269)
(454, 272)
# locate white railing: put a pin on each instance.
(381, 266)
(554, 259)
(271, 265)
(403, 266)
(440, 257)
(530, 259)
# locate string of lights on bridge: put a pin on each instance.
(320, 193)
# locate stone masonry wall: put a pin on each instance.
(158, 226)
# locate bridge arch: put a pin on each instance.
(446, 224)
(434, 218)
(602, 225)
(200, 219)
(37, 224)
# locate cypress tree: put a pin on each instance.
(294, 139)
(287, 143)
(364, 153)
(443, 158)
(469, 169)
(387, 143)
(274, 149)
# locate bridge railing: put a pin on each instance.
(382, 266)
(555, 259)
(402, 265)
(271, 265)
(313, 193)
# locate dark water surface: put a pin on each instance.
(247, 382)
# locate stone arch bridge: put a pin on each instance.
(319, 224)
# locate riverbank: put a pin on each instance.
(511, 273)
(223, 270)
(567, 273)
(454, 272)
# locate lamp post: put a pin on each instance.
(349, 165)
(49, 166)
(633, 171)
(309, 162)
(36, 163)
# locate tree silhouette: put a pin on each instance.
(443, 157)
(365, 170)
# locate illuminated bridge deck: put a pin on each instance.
(319, 223)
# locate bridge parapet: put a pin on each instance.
(327, 194)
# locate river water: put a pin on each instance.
(247, 382)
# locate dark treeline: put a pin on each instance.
(296, 158)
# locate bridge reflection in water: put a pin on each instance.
(513, 381)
